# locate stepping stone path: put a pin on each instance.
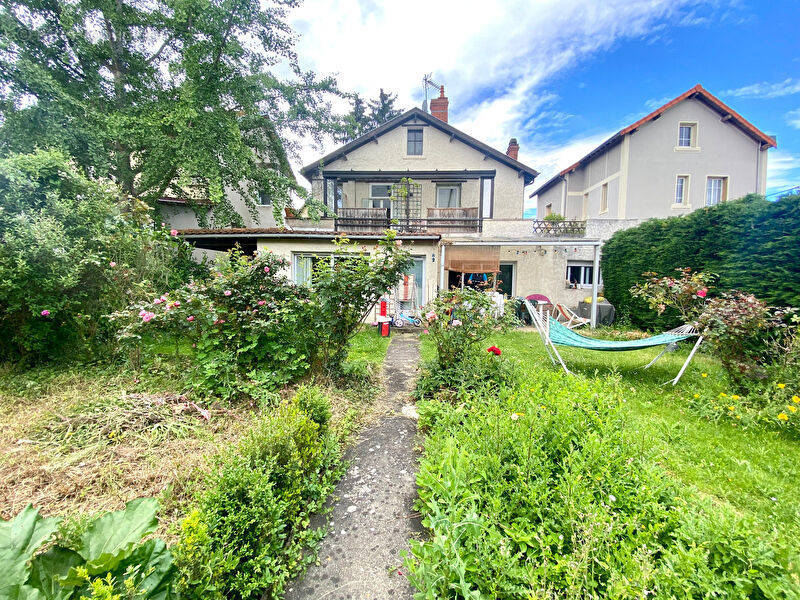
(373, 519)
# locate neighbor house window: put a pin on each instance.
(716, 190)
(604, 198)
(448, 196)
(681, 189)
(580, 274)
(687, 135)
(380, 195)
(334, 194)
(487, 198)
(264, 199)
(414, 147)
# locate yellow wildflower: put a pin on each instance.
(783, 417)
(738, 416)
(703, 374)
(734, 397)
(697, 395)
(781, 385)
(795, 399)
(730, 408)
(793, 408)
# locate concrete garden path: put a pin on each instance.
(373, 518)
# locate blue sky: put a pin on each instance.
(563, 75)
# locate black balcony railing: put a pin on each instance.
(439, 220)
(559, 228)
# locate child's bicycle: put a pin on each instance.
(402, 317)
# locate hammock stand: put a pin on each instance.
(554, 333)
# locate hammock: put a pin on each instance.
(554, 333)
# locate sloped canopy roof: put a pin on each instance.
(415, 113)
(698, 92)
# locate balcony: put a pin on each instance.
(544, 227)
(438, 220)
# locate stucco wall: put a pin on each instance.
(722, 150)
(439, 151)
(183, 217)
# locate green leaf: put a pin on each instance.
(21, 592)
(154, 562)
(19, 539)
(112, 538)
(48, 569)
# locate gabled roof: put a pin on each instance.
(416, 113)
(698, 92)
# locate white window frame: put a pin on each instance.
(685, 197)
(723, 192)
(421, 142)
(693, 143)
(585, 282)
(440, 186)
(604, 199)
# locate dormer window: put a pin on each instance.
(687, 135)
(414, 145)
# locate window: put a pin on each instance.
(585, 207)
(580, 275)
(716, 190)
(604, 198)
(334, 194)
(380, 195)
(264, 199)
(687, 135)
(448, 196)
(304, 265)
(414, 147)
(487, 198)
(681, 189)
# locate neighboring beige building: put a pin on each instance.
(692, 152)
(458, 203)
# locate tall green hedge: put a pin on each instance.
(751, 243)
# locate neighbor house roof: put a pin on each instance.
(698, 92)
(283, 232)
(415, 113)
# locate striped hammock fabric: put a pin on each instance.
(563, 336)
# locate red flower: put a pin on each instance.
(494, 350)
(702, 293)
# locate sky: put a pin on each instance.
(563, 75)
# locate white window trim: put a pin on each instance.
(603, 188)
(685, 204)
(695, 145)
(447, 185)
(726, 189)
(583, 265)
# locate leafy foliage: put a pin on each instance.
(533, 488)
(249, 531)
(366, 116)
(71, 253)
(180, 98)
(753, 245)
(107, 560)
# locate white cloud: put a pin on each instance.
(766, 90)
(494, 56)
(783, 171)
(793, 118)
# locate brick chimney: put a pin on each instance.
(439, 106)
(513, 148)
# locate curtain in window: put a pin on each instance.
(448, 196)
(302, 270)
(713, 191)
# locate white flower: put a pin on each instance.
(612, 498)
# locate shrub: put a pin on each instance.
(249, 532)
(71, 251)
(107, 560)
(458, 320)
(753, 244)
(534, 490)
(476, 371)
(252, 328)
(346, 287)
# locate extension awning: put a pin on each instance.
(473, 259)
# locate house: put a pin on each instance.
(458, 203)
(693, 151)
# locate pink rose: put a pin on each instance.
(148, 316)
(266, 269)
(142, 312)
(112, 264)
(398, 243)
(227, 292)
(431, 315)
(157, 301)
(702, 293)
(173, 232)
(45, 313)
(190, 318)
(163, 224)
(424, 331)
(262, 302)
(176, 303)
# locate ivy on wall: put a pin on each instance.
(752, 244)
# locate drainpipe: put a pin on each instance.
(441, 271)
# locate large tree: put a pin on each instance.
(182, 97)
(365, 116)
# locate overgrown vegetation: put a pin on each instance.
(751, 243)
(72, 252)
(544, 484)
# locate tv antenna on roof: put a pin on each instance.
(426, 83)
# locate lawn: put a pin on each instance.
(755, 470)
(78, 439)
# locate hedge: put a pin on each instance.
(751, 243)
